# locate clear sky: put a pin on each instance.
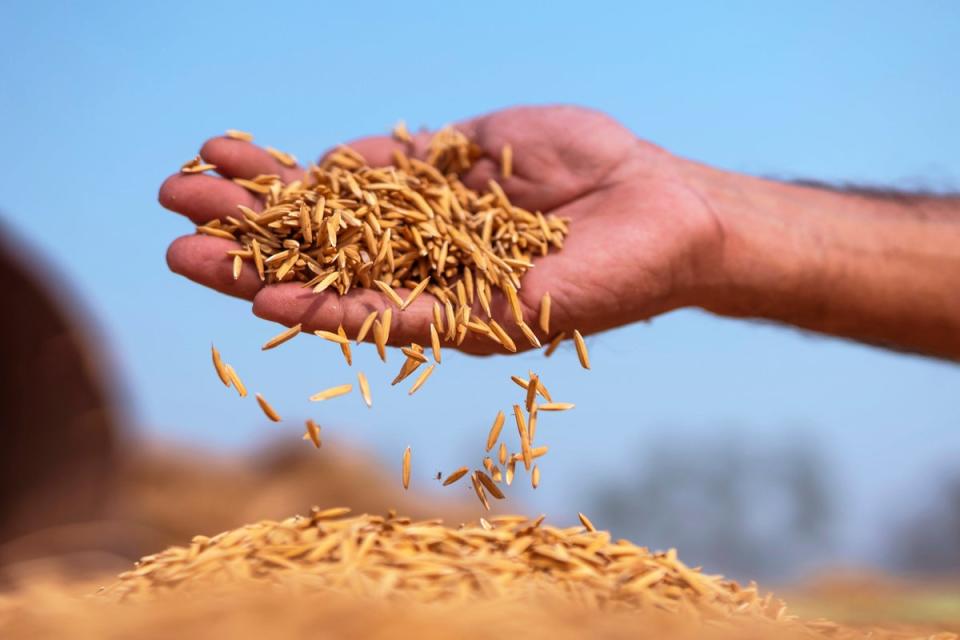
(100, 101)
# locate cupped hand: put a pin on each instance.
(640, 236)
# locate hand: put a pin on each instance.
(640, 235)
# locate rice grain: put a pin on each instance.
(456, 475)
(267, 409)
(236, 134)
(435, 342)
(495, 430)
(554, 343)
(313, 433)
(423, 378)
(365, 326)
(332, 392)
(364, 389)
(235, 380)
(282, 337)
(556, 406)
(332, 337)
(219, 367)
(581, 350)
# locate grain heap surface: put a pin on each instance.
(506, 559)
(375, 577)
(427, 561)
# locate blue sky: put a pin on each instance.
(100, 102)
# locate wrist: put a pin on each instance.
(767, 250)
(865, 265)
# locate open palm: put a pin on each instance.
(638, 233)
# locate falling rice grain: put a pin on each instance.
(332, 337)
(345, 346)
(380, 340)
(502, 453)
(237, 267)
(557, 339)
(386, 319)
(581, 350)
(556, 406)
(524, 435)
(532, 386)
(365, 326)
(282, 337)
(409, 366)
(495, 430)
(535, 477)
(456, 475)
(414, 353)
(406, 468)
(489, 485)
(332, 392)
(435, 342)
(506, 161)
(235, 379)
(364, 389)
(542, 390)
(267, 409)
(478, 489)
(545, 312)
(313, 433)
(219, 367)
(423, 378)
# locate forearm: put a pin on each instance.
(876, 269)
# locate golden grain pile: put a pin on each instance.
(413, 225)
(392, 556)
(522, 566)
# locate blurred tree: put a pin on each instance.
(928, 541)
(745, 508)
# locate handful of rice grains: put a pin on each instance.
(413, 225)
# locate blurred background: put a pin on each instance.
(758, 451)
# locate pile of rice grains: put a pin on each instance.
(410, 226)
(403, 578)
